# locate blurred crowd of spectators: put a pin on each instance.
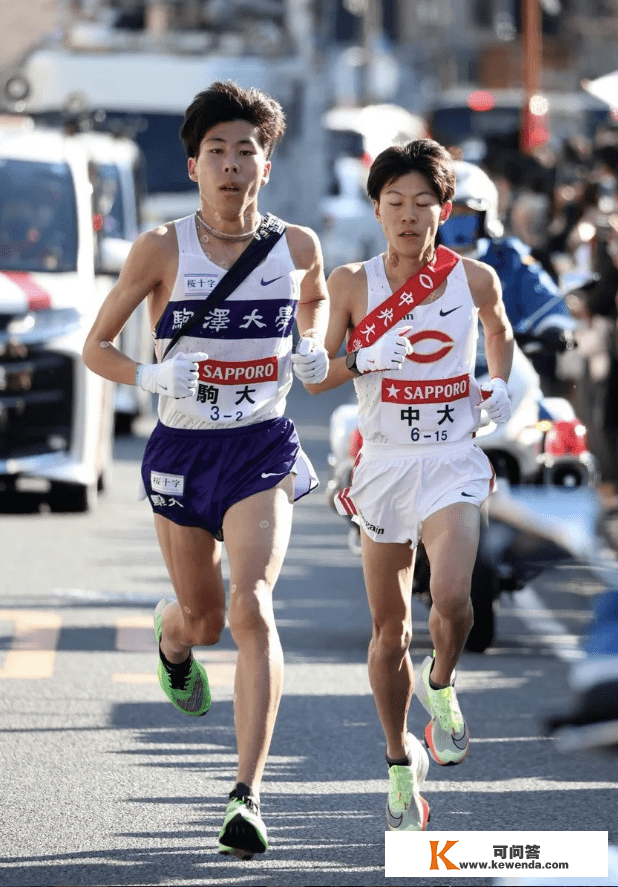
(564, 205)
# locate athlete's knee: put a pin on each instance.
(251, 610)
(451, 595)
(391, 639)
(204, 629)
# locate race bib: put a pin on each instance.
(432, 411)
(235, 390)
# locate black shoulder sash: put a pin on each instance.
(267, 235)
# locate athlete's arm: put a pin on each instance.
(347, 286)
(150, 266)
(487, 295)
(306, 252)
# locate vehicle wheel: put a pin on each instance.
(65, 498)
(484, 594)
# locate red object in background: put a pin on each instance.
(356, 442)
(481, 100)
(566, 438)
(534, 132)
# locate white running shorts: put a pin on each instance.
(392, 491)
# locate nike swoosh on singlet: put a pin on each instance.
(267, 282)
(393, 821)
(450, 311)
(469, 495)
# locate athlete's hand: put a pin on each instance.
(310, 361)
(388, 353)
(174, 378)
(496, 402)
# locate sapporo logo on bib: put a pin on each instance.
(426, 412)
(234, 390)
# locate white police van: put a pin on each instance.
(56, 417)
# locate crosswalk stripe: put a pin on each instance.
(33, 650)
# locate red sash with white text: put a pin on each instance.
(407, 297)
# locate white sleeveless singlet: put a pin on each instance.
(434, 398)
(248, 338)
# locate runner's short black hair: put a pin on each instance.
(424, 156)
(224, 101)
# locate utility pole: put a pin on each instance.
(533, 63)
(371, 30)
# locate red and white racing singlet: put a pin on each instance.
(434, 398)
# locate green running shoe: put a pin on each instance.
(243, 832)
(190, 693)
(446, 735)
(406, 809)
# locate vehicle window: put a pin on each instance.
(108, 201)
(38, 218)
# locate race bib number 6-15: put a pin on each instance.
(434, 411)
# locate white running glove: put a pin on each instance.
(310, 361)
(174, 378)
(496, 400)
(388, 353)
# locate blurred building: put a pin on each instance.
(445, 43)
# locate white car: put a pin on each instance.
(56, 417)
(117, 173)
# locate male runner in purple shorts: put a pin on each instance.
(411, 319)
(223, 461)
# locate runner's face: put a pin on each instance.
(410, 213)
(230, 169)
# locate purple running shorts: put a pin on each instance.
(192, 477)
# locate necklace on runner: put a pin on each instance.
(221, 235)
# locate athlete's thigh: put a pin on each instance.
(193, 559)
(257, 533)
(451, 539)
(388, 568)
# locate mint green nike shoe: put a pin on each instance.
(406, 809)
(189, 693)
(243, 832)
(446, 735)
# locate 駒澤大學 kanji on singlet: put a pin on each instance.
(434, 398)
(248, 338)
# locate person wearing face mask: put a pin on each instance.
(533, 302)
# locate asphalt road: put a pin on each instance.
(103, 782)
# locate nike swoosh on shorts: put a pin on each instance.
(273, 473)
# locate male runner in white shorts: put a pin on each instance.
(223, 461)
(419, 474)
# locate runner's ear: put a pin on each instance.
(446, 211)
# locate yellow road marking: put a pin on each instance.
(33, 650)
(135, 634)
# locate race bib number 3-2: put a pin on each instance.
(434, 411)
(235, 390)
